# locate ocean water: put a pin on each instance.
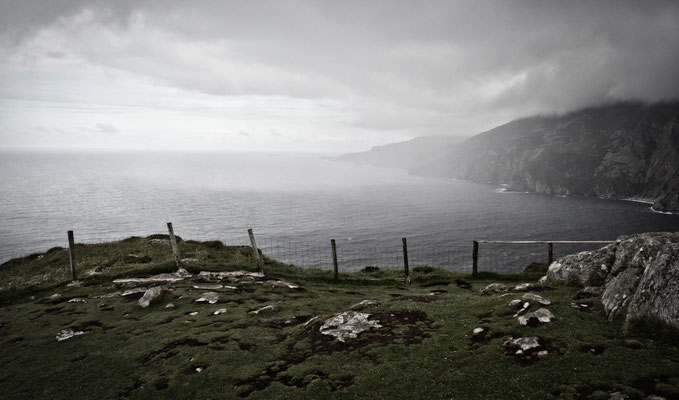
(295, 204)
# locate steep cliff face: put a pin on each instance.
(626, 150)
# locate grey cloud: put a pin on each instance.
(423, 66)
(106, 128)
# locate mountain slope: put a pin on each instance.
(406, 154)
(624, 150)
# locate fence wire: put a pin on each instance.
(353, 256)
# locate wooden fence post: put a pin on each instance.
(334, 258)
(475, 259)
(254, 250)
(550, 253)
(173, 243)
(71, 253)
(405, 260)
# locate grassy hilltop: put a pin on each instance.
(425, 348)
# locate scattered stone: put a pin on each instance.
(524, 308)
(494, 288)
(270, 307)
(541, 315)
(199, 369)
(542, 353)
(654, 397)
(618, 396)
(188, 260)
(515, 303)
(237, 275)
(169, 305)
(311, 320)
(109, 295)
(150, 295)
(133, 291)
(77, 300)
(74, 283)
(534, 297)
(67, 334)
(181, 274)
(348, 325)
(193, 313)
(523, 344)
(364, 303)
(279, 283)
(580, 306)
(220, 311)
(208, 297)
(523, 287)
(54, 296)
(208, 287)
(543, 280)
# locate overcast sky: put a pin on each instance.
(326, 76)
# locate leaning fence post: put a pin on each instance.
(254, 249)
(71, 252)
(550, 253)
(405, 260)
(475, 259)
(173, 243)
(334, 258)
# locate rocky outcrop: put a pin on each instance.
(619, 151)
(639, 275)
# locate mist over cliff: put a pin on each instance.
(620, 151)
(624, 150)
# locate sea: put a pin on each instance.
(295, 204)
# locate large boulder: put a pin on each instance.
(639, 274)
(588, 268)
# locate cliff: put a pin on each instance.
(619, 151)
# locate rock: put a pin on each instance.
(580, 306)
(364, 303)
(67, 334)
(169, 305)
(534, 297)
(181, 274)
(208, 297)
(208, 287)
(541, 315)
(543, 279)
(133, 291)
(477, 331)
(641, 275)
(270, 307)
(77, 300)
(188, 260)
(523, 344)
(150, 295)
(348, 325)
(220, 311)
(494, 288)
(525, 306)
(618, 396)
(193, 313)
(235, 275)
(543, 353)
(654, 397)
(280, 283)
(523, 287)
(515, 304)
(74, 283)
(108, 295)
(587, 268)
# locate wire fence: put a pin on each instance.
(354, 255)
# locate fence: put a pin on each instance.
(347, 255)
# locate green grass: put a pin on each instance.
(423, 351)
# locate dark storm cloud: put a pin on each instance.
(425, 65)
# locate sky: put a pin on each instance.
(316, 76)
